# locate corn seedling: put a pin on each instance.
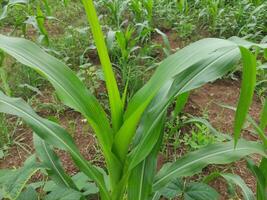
(131, 139)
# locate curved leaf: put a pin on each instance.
(209, 69)
(53, 134)
(189, 68)
(13, 182)
(260, 178)
(194, 162)
(52, 163)
(68, 86)
(247, 193)
(69, 89)
(247, 90)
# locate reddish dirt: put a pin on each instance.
(205, 101)
(202, 101)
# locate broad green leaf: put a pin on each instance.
(111, 84)
(84, 184)
(174, 189)
(247, 44)
(200, 191)
(68, 86)
(52, 163)
(194, 162)
(54, 135)
(190, 191)
(247, 90)
(177, 63)
(247, 193)
(69, 89)
(63, 193)
(215, 65)
(28, 194)
(15, 180)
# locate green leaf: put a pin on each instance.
(189, 68)
(200, 191)
(52, 163)
(63, 193)
(209, 126)
(84, 184)
(15, 180)
(68, 86)
(263, 118)
(174, 189)
(194, 162)
(10, 4)
(28, 194)
(40, 19)
(261, 181)
(180, 103)
(247, 193)
(247, 90)
(247, 44)
(70, 90)
(142, 176)
(54, 135)
(190, 191)
(111, 84)
(257, 128)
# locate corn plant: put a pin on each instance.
(131, 139)
(29, 13)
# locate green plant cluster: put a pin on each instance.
(130, 115)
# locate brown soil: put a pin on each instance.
(204, 100)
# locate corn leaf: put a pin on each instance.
(111, 84)
(141, 179)
(68, 86)
(194, 162)
(194, 76)
(13, 182)
(69, 89)
(247, 90)
(54, 135)
(232, 178)
(52, 163)
(261, 181)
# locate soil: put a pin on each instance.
(204, 100)
(207, 100)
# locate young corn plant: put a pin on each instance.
(131, 140)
